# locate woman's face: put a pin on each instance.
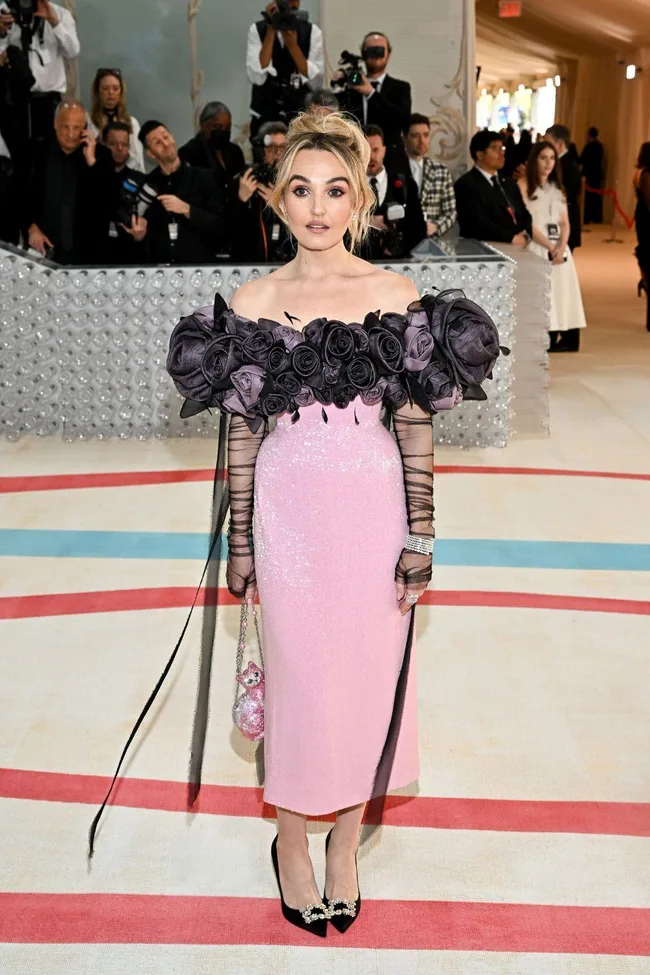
(546, 162)
(110, 92)
(318, 199)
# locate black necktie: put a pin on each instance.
(375, 190)
(375, 84)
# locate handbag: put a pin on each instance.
(248, 709)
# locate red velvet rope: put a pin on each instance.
(629, 221)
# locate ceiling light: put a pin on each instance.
(630, 72)
(558, 81)
(484, 92)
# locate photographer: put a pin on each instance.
(373, 97)
(185, 223)
(65, 213)
(284, 60)
(15, 82)
(259, 234)
(398, 220)
(122, 244)
(49, 33)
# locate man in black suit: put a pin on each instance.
(379, 99)
(592, 161)
(560, 138)
(489, 207)
(398, 220)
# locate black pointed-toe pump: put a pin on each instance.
(342, 913)
(311, 918)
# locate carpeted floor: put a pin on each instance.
(526, 848)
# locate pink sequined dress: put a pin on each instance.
(329, 526)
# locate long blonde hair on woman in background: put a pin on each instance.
(339, 134)
(97, 114)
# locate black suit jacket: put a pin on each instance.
(483, 210)
(409, 231)
(389, 108)
(200, 236)
(570, 169)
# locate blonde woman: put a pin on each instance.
(331, 516)
(108, 104)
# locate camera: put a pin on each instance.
(263, 172)
(135, 200)
(22, 11)
(285, 18)
(352, 67)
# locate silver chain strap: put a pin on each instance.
(241, 643)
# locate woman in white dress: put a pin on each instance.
(543, 194)
(108, 104)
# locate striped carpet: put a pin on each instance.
(526, 847)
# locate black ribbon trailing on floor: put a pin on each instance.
(220, 506)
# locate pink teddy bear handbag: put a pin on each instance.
(248, 709)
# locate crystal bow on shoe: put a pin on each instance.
(348, 908)
(308, 916)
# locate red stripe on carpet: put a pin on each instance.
(64, 482)
(500, 815)
(174, 597)
(418, 925)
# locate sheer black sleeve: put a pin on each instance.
(243, 446)
(414, 435)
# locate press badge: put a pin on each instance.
(173, 231)
(553, 231)
(275, 232)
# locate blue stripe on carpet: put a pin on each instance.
(490, 552)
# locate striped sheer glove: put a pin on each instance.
(243, 447)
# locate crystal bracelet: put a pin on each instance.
(418, 543)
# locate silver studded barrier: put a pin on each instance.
(83, 350)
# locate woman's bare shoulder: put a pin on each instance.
(393, 291)
(250, 299)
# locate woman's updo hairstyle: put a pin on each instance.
(339, 134)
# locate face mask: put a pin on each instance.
(220, 138)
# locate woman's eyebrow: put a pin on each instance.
(333, 179)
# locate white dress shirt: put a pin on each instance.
(376, 85)
(136, 149)
(487, 175)
(46, 56)
(382, 185)
(257, 75)
(417, 172)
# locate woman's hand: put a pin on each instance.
(247, 185)
(240, 572)
(558, 254)
(412, 576)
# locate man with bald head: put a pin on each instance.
(379, 99)
(66, 213)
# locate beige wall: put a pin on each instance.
(432, 43)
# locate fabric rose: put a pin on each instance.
(187, 346)
(467, 336)
(221, 357)
(343, 395)
(436, 381)
(361, 373)
(361, 343)
(337, 343)
(305, 397)
(314, 331)
(395, 323)
(306, 363)
(386, 351)
(278, 358)
(274, 402)
(448, 402)
(289, 336)
(232, 402)
(375, 394)
(324, 394)
(331, 373)
(234, 324)
(395, 393)
(418, 345)
(257, 346)
(289, 383)
(248, 381)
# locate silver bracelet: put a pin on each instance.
(415, 543)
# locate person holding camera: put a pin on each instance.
(259, 236)
(123, 246)
(372, 96)
(184, 223)
(397, 219)
(433, 180)
(284, 60)
(65, 213)
(48, 35)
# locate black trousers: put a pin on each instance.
(568, 340)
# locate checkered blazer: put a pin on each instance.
(437, 196)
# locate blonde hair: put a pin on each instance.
(339, 134)
(99, 118)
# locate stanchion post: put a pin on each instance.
(614, 239)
